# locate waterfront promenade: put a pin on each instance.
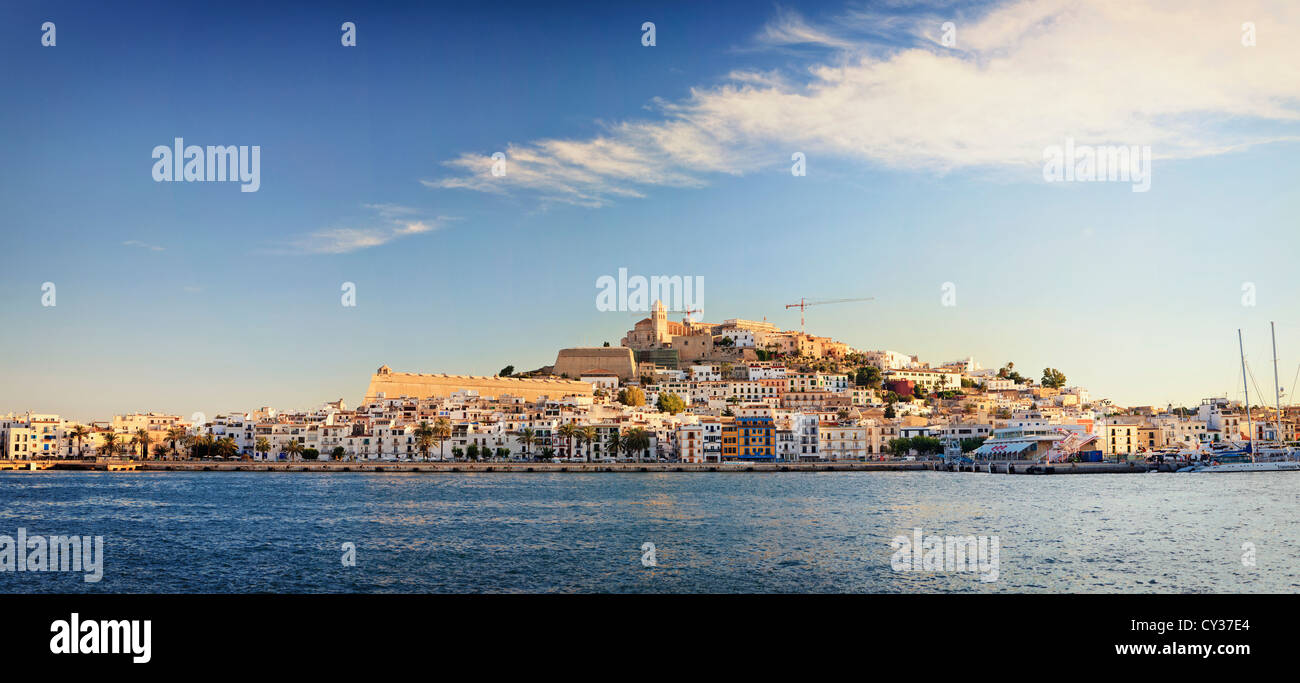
(1011, 467)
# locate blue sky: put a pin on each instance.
(924, 166)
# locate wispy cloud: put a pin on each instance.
(142, 245)
(390, 222)
(882, 90)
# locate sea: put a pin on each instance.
(669, 532)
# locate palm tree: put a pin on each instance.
(615, 442)
(588, 435)
(424, 438)
(202, 443)
(175, 433)
(293, 448)
(637, 440)
(141, 439)
(263, 446)
(110, 443)
(441, 432)
(226, 447)
(569, 431)
(79, 432)
(527, 437)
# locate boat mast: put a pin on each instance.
(1245, 384)
(1277, 389)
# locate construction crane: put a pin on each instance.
(804, 304)
(687, 313)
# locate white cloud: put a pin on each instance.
(393, 222)
(142, 245)
(1171, 74)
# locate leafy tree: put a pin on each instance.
(927, 445)
(310, 454)
(80, 432)
(472, 452)
(615, 442)
(1053, 378)
(670, 403)
(141, 439)
(506, 371)
(588, 435)
(548, 453)
(889, 410)
(968, 445)
(441, 432)
(337, 453)
(457, 452)
(424, 439)
(900, 446)
(568, 431)
(631, 396)
(637, 440)
(868, 376)
(527, 436)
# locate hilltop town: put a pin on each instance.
(685, 391)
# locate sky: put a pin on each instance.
(924, 151)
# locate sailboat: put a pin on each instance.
(1277, 457)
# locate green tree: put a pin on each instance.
(262, 445)
(927, 445)
(175, 433)
(79, 433)
(614, 443)
(141, 439)
(889, 410)
(637, 441)
(969, 445)
(868, 376)
(293, 449)
(471, 453)
(424, 439)
(441, 432)
(568, 431)
(337, 453)
(527, 437)
(1053, 378)
(588, 435)
(310, 454)
(226, 447)
(670, 403)
(506, 371)
(900, 446)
